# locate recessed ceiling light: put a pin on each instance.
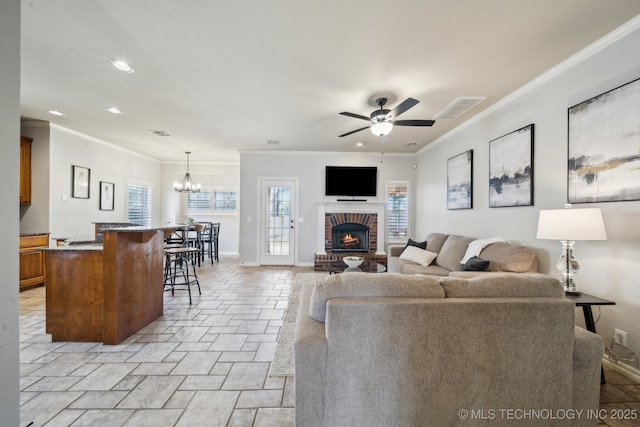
(359, 144)
(56, 113)
(121, 65)
(114, 110)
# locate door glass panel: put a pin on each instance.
(277, 230)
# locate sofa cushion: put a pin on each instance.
(421, 245)
(502, 285)
(417, 255)
(510, 257)
(452, 252)
(475, 264)
(435, 241)
(371, 285)
(432, 270)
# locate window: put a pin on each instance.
(212, 200)
(139, 204)
(199, 201)
(398, 208)
(224, 201)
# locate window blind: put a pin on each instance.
(199, 201)
(398, 206)
(139, 204)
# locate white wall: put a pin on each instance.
(210, 176)
(611, 268)
(309, 168)
(9, 161)
(72, 217)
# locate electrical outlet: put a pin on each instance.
(620, 337)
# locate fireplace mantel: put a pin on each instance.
(377, 208)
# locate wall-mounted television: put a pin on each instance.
(352, 181)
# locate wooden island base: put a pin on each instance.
(105, 293)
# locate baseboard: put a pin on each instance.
(305, 264)
(622, 368)
(249, 264)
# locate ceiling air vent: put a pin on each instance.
(273, 142)
(458, 107)
(158, 132)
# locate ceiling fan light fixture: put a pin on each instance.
(187, 185)
(382, 128)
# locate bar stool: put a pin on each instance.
(178, 262)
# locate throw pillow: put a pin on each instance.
(417, 255)
(475, 264)
(421, 245)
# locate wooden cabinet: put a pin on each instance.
(32, 260)
(25, 170)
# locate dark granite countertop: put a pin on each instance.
(139, 228)
(32, 233)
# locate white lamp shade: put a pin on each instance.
(382, 128)
(571, 224)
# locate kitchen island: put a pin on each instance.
(106, 292)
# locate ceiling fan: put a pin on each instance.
(383, 120)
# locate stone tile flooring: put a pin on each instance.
(200, 365)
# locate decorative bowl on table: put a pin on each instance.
(353, 261)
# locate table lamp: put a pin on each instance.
(569, 225)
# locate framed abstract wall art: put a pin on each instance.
(80, 182)
(511, 169)
(604, 147)
(460, 181)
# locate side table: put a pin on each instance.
(586, 301)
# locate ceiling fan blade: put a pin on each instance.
(354, 131)
(414, 122)
(401, 108)
(357, 116)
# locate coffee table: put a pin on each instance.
(338, 266)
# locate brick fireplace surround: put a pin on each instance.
(333, 218)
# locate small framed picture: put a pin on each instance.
(460, 181)
(80, 182)
(106, 196)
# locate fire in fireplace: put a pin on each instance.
(350, 237)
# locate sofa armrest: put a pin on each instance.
(395, 250)
(588, 350)
(310, 352)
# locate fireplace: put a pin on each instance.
(350, 237)
(347, 229)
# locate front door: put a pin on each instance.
(278, 222)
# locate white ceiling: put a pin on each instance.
(225, 75)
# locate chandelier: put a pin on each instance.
(187, 185)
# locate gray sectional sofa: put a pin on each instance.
(451, 248)
(413, 350)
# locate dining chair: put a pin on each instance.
(207, 241)
(215, 233)
(196, 240)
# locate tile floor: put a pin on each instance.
(199, 365)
